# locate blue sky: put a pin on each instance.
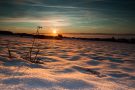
(68, 16)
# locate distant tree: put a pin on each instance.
(60, 35)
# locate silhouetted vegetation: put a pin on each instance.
(60, 36)
(121, 40)
(34, 42)
(6, 33)
(31, 35)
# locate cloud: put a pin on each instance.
(58, 22)
(72, 13)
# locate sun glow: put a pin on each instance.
(54, 31)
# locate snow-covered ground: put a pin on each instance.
(67, 65)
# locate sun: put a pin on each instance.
(54, 31)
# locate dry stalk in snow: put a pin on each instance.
(8, 48)
(35, 39)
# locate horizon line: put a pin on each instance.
(80, 33)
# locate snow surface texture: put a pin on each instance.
(67, 65)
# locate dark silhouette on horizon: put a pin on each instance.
(60, 37)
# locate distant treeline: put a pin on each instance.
(113, 39)
(131, 34)
(60, 36)
(6, 33)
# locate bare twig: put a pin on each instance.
(9, 51)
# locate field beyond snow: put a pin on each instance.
(67, 65)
